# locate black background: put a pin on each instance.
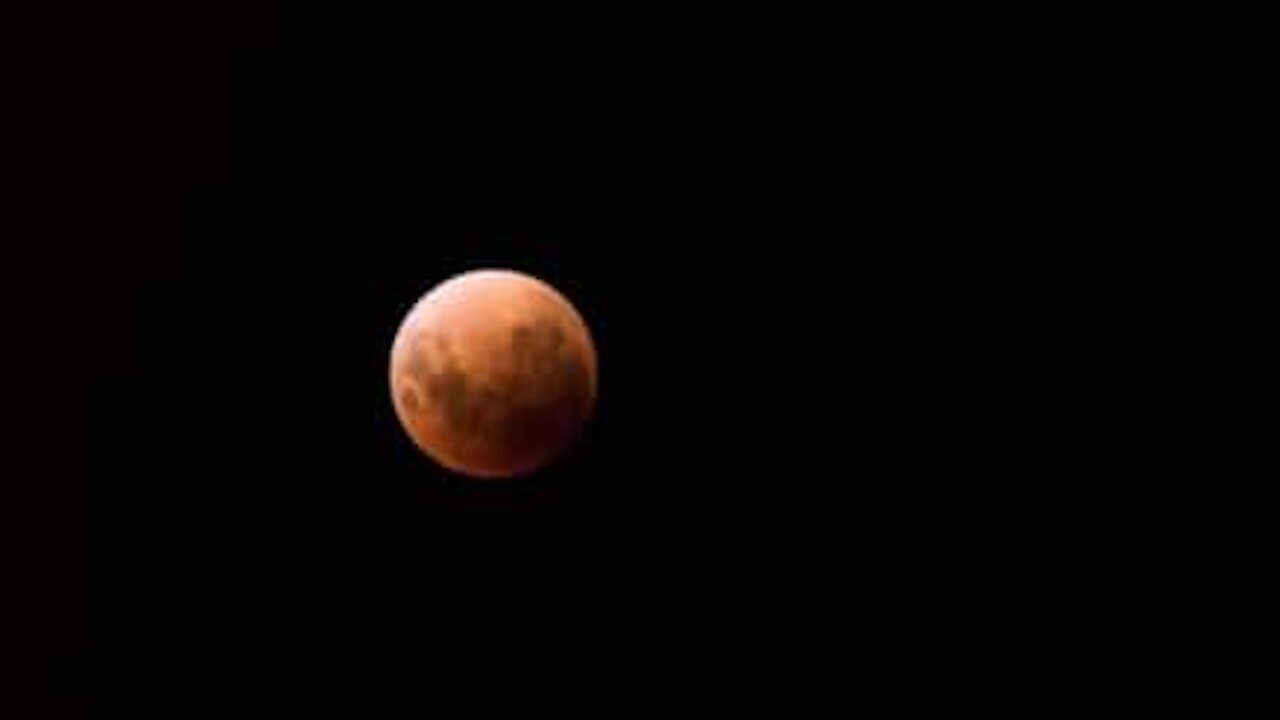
(838, 261)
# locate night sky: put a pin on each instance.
(830, 257)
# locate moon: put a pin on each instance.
(493, 374)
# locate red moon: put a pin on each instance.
(493, 374)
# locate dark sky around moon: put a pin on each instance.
(853, 267)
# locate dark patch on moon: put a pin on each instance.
(409, 399)
(437, 373)
(548, 387)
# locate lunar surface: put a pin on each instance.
(493, 374)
